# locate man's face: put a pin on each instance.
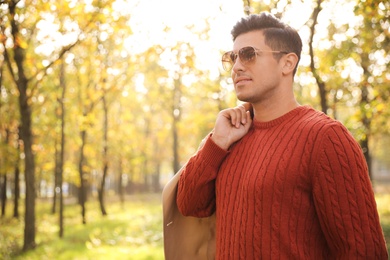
(257, 80)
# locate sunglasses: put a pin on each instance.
(247, 56)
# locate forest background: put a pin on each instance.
(106, 98)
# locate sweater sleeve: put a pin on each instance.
(345, 199)
(196, 186)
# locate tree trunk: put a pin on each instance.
(365, 110)
(3, 176)
(121, 183)
(3, 194)
(101, 192)
(17, 189)
(82, 190)
(25, 134)
(2, 188)
(17, 179)
(105, 158)
(175, 136)
(320, 82)
(364, 142)
(56, 159)
(61, 157)
(176, 114)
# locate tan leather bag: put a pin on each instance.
(185, 237)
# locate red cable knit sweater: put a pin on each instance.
(296, 187)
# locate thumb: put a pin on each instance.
(247, 105)
(248, 119)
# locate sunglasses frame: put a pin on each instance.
(228, 62)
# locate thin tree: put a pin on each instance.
(17, 177)
(62, 149)
(22, 82)
(105, 157)
(3, 193)
(313, 69)
(26, 87)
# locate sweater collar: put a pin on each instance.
(296, 111)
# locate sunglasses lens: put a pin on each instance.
(233, 57)
(227, 60)
(247, 55)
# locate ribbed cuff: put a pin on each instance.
(212, 154)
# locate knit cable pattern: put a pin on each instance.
(296, 187)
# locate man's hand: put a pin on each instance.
(231, 125)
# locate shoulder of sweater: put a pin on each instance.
(330, 136)
(318, 126)
(318, 120)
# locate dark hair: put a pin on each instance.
(278, 35)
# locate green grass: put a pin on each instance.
(133, 231)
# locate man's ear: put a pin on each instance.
(290, 61)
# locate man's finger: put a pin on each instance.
(247, 106)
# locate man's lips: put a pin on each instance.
(241, 79)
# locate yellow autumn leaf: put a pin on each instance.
(380, 107)
(19, 42)
(3, 38)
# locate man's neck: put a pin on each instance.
(267, 111)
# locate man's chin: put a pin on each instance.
(242, 98)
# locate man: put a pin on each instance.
(287, 182)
